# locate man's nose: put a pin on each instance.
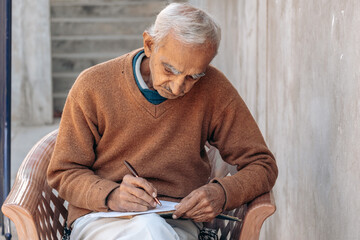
(178, 85)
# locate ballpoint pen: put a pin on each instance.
(133, 171)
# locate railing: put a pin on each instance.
(5, 107)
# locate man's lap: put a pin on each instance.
(148, 226)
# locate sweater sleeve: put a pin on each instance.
(69, 171)
(239, 140)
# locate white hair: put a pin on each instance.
(190, 25)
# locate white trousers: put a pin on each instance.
(144, 227)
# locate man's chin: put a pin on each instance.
(169, 96)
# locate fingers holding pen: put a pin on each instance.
(140, 183)
(134, 194)
(135, 174)
(140, 188)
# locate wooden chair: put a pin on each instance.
(39, 213)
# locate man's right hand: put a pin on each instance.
(135, 194)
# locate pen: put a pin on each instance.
(133, 171)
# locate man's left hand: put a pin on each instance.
(202, 204)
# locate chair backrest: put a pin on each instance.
(39, 213)
(44, 212)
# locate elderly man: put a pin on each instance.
(156, 108)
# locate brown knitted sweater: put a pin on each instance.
(107, 120)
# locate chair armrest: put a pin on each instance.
(20, 212)
(25, 202)
(258, 210)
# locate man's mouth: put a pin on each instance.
(167, 88)
(169, 92)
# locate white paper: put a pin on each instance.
(166, 206)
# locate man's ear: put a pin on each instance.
(148, 44)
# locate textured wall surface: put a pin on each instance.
(31, 62)
(297, 66)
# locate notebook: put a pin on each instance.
(165, 210)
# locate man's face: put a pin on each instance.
(174, 66)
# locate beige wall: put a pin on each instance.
(297, 65)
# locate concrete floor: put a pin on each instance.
(22, 140)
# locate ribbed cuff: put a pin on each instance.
(216, 181)
(107, 197)
(96, 197)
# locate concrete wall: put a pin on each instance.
(297, 65)
(31, 63)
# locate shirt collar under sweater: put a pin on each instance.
(151, 95)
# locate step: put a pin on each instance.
(100, 26)
(95, 44)
(60, 95)
(79, 62)
(61, 86)
(58, 104)
(63, 82)
(106, 9)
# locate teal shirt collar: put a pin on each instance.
(151, 95)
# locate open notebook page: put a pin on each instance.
(167, 206)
